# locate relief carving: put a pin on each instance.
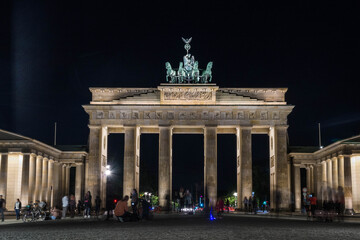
(241, 115)
(263, 115)
(276, 115)
(99, 114)
(182, 115)
(170, 115)
(188, 95)
(135, 115)
(158, 115)
(112, 114)
(252, 115)
(229, 115)
(205, 115)
(146, 115)
(217, 115)
(123, 115)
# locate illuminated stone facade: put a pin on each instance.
(330, 172)
(31, 170)
(189, 109)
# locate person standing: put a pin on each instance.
(254, 204)
(134, 201)
(79, 205)
(246, 204)
(97, 205)
(2, 207)
(65, 205)
(227, 205)
(250, 204)
(72, 205)
(181, 198)
(17, 208)
(87, 203)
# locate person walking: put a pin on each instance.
(72, 205)
(254, 204)
(227, 205)
(97, 205)
(17, 208)
(87, 203)
(250, 204)
(134, 201)
(181, 197)
(79, 206)
(2, 207)
(65, 205)
(246, 204)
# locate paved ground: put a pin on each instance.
(183, 227)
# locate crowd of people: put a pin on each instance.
(333, 206)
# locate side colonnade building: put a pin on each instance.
(331, 172)
(31, 170)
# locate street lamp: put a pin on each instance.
(235, 195)
(107, 171)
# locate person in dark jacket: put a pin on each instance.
(97, 205)
(72, 205)
(87, 203)
(17, 208)
(2, 207)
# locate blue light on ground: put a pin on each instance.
(211, 216)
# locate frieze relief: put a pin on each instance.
(189, 115)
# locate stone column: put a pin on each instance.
(245, 162)
(63, 180)
(239, 203)
(319, 184)
(78, 181)
(25, 180)
(3, 174)
(67, 181)
(348, 183)
(94, 169)
(210, 165)
(308, 179)
(38, 180)
(57, 183)
(50, 182)
(32, 177)
(165, 166)
(44, 184)
(329, 179)
(312, 184)
(341, 178)
(324, 181)
(297, 186)
(281, 167)
(335, 175)
(129, 160)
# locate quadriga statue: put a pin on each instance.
(207, 74)
(170, 73)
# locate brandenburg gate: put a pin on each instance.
(189, 104)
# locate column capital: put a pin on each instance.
(45, 159)
(39, 157)
(246, 127)
(32, 155)
(78, 163)
(51, 161)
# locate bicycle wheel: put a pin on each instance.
(41, 215)
(27, 217)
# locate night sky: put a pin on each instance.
(51, 52)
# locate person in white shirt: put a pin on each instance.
(65, 205)
(17, 208)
